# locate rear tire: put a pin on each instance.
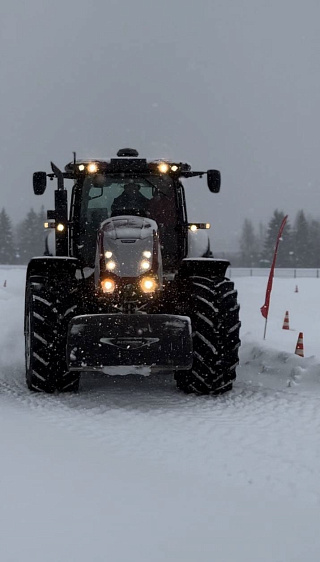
(214, 313)
(47, 314)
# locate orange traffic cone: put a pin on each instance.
(286, 321)
(296, 289)
(299, 346)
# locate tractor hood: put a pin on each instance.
(128, 246)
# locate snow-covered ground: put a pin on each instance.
(132, 470)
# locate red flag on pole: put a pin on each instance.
(265, 308)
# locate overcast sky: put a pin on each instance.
(227, 84)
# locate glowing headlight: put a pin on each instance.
(174, 168)
(208, 225)
(147, 254)
(148, 285)
(81, 167)
(145, 264)
(110, 265)
(108, 254)
(163, 168)
(92, 168)
(108, 285)
(60, 227)
(193, 227)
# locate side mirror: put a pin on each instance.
(214, 180)
(39, 182)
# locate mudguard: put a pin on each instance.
(205, 267)
(53, 267)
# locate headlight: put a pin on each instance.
(163, 167)
(108, 254)
(108, 285)
(92, 168)
(110, 265)
(147, 254)
(148, 285)
(145, 265)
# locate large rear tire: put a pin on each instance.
(47, 314)
(214, 313)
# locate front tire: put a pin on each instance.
(47, 314)
(214, 313)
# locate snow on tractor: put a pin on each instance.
(125, 286)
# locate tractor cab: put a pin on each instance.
(126, 185)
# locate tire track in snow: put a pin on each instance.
(252, 436)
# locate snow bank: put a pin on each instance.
(272, 362)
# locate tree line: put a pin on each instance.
(299, 245)
(19, 243)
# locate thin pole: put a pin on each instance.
(265, 328)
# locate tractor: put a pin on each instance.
(126, 284)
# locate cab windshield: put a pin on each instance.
(105, 196)
(108, 196)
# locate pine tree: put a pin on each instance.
(262, 232)
(249, 245)
(7, 252)
(31, 236)
(285, 250)
(42, 217)
(301, 241)
(314, 240)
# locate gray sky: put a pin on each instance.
(227, 84)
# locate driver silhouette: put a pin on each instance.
(130, 201)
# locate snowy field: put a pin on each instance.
(130, 470)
